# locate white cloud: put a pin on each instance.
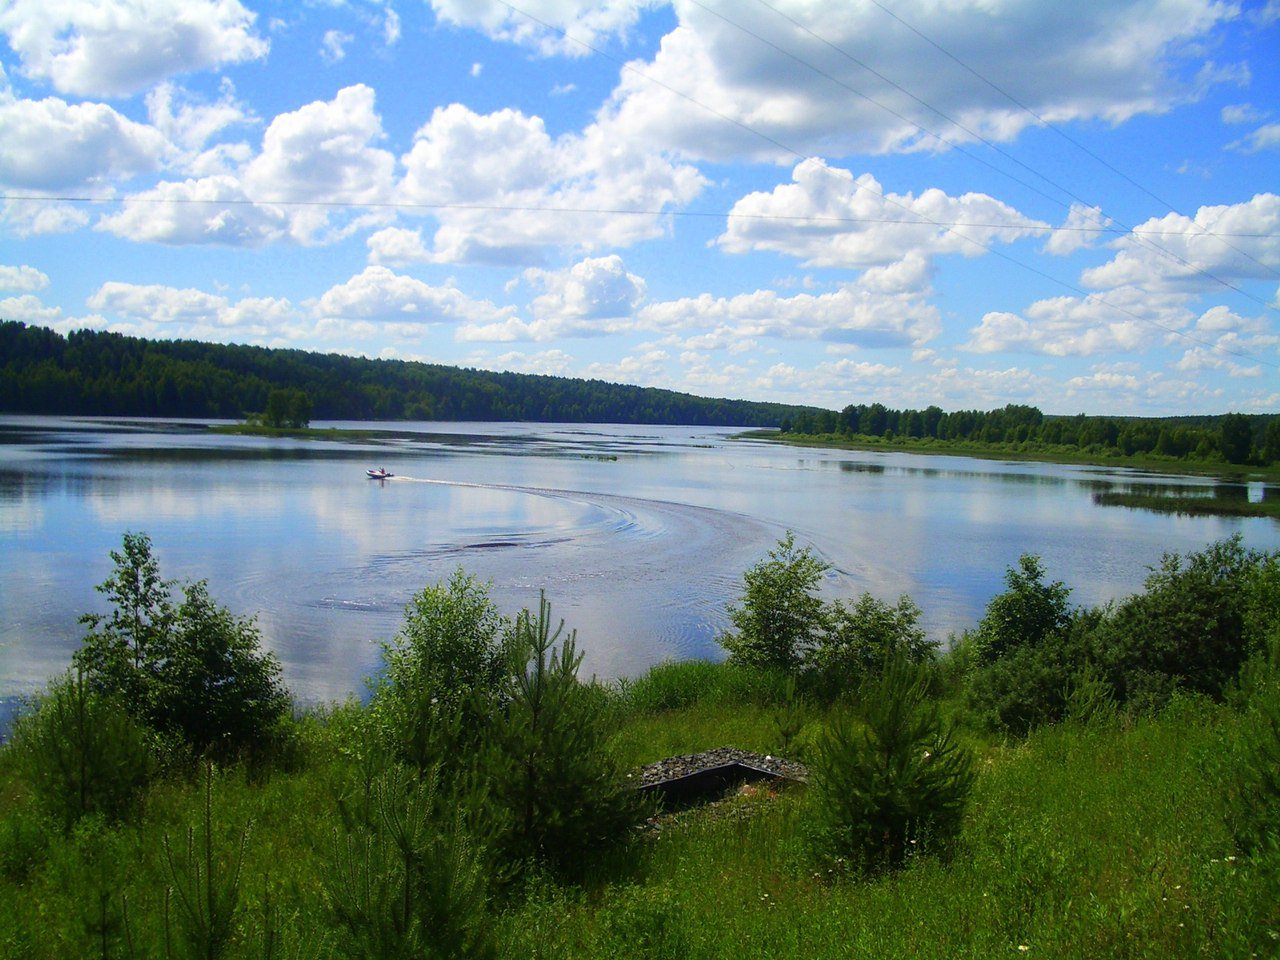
(1108, 61)
(54, 145)
(1236, 240)
(323, 151)
(333, 46)
(1079, 231)
(381, 295)
(391, 28)
(38, 217)
(24, 279)
(118, 47)
(552, 27)
(209, 210)
(849, 315)
(190, 122)
(1266, 137)
(507, 189)
(397, 247)
(828, 218)
(157, 304)
(29, 309)
(594, 289)
(1242, 113)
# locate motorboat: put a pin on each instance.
(379, 473)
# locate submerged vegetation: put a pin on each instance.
(1060, 782)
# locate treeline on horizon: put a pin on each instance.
(96, 373)
(1234, 437)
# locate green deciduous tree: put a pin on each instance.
(780, 615)
(1027, 612)
(443, 673)
(194, 670)
(861, 637)
(1237, 438)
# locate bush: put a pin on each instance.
(860, 638)
(1030, 685)
(443, 673)
(1024, 615)
(408, 883)
(555, 792)
(82, 753)
(195, 670)
(892, 782)
(781, 614)
(1192, 629)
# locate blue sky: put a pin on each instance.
(817, 201)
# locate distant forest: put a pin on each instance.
(94, 373)
(1234, 437)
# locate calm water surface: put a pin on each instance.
(639, 535)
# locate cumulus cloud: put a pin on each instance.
(113, 48)
(397, 247)
(210, 210)
(1231, 241)
(28, 308)
(50, 144)
(551, 27)
(333, 45)
(828, 218)
(1079, 231)
(23, 279)
(378, 294)
(1126, 319)
(160, 310)
(507, 189)
(594, 289)
(850, 315)
(189, 121)
(721, 94)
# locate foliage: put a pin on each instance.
(1237, 438)
(1191, 629)
(860, 638)
(781, 614)
(557, 795)
(443, 673)
(204, 894)
(289, 407)
(404, 884)
(1254, 781)
(1031, 685)
(94, 372)
(893, 783)
(194, 670)
(1025, 614)
(82, 753)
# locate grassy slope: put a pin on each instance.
(1079, 843)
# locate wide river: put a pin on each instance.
(639, 535)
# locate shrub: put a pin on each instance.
(781, 614)
(1030, 685)
(892, 782)
(1025, 614)
(1192, 629)
(407, 883)
(82, 753)
(556, 793)
(443, 672)
(861, 637)
(194, 670)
